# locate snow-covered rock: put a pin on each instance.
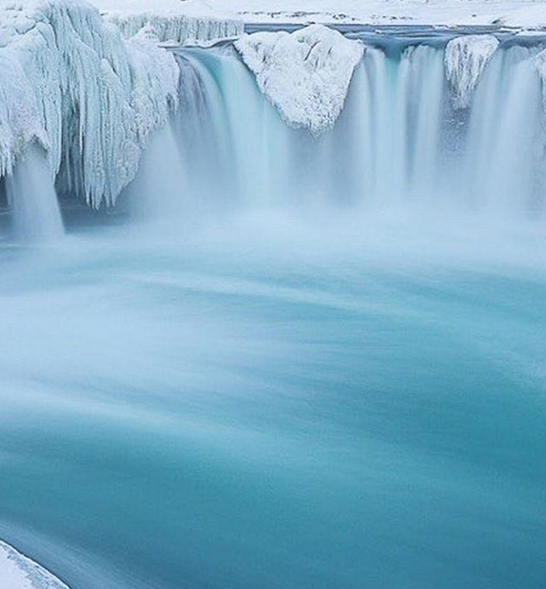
(465, 60)
(305, 74)
(171, 20)
(19, 572)
(72, 83)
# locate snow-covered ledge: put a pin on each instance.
(174, 21)
(305, 74)
(19, 572)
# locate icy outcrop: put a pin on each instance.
(465, 60)
(171, 21)
(305, 74)
(19, 572)
(74, 85)
(177, 29)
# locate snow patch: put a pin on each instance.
(19, 572)
(305, 74)
(465, 60)
(532, 17)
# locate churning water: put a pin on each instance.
(326, 369)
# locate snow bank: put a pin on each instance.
(384, 12)
(465, 60)
(305, 74)
(531, 17)
(19, 572)
(91, 99)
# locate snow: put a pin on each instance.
(531, 17)
(19, 572)
(465, 60)
(432, 12)
(305, 74)
(72, 83)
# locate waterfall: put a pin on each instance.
(406, 137)
(160, 185)
(33, 200)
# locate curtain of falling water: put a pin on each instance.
(387, 149)
(32, 197)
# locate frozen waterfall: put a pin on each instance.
(455, 125)
(307, 119)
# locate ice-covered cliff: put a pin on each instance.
(305, 74)
(170, 20)
(72, 83)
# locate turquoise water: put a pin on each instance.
(277, 405)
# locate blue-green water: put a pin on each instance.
(277, 406)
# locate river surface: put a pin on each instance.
(277, 404)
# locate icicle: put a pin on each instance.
(71, 82)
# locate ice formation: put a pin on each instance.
(19, 572)
(90, 98)
(465, 60)
(305, 74)
(171, 20)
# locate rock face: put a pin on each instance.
(305, 74)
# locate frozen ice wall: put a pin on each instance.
(92, 100)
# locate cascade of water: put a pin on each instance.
(401, 138)
(32, 197)
(427, 75)
(202, 129)
(506, 136)
(160, 188)
(233, 140)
